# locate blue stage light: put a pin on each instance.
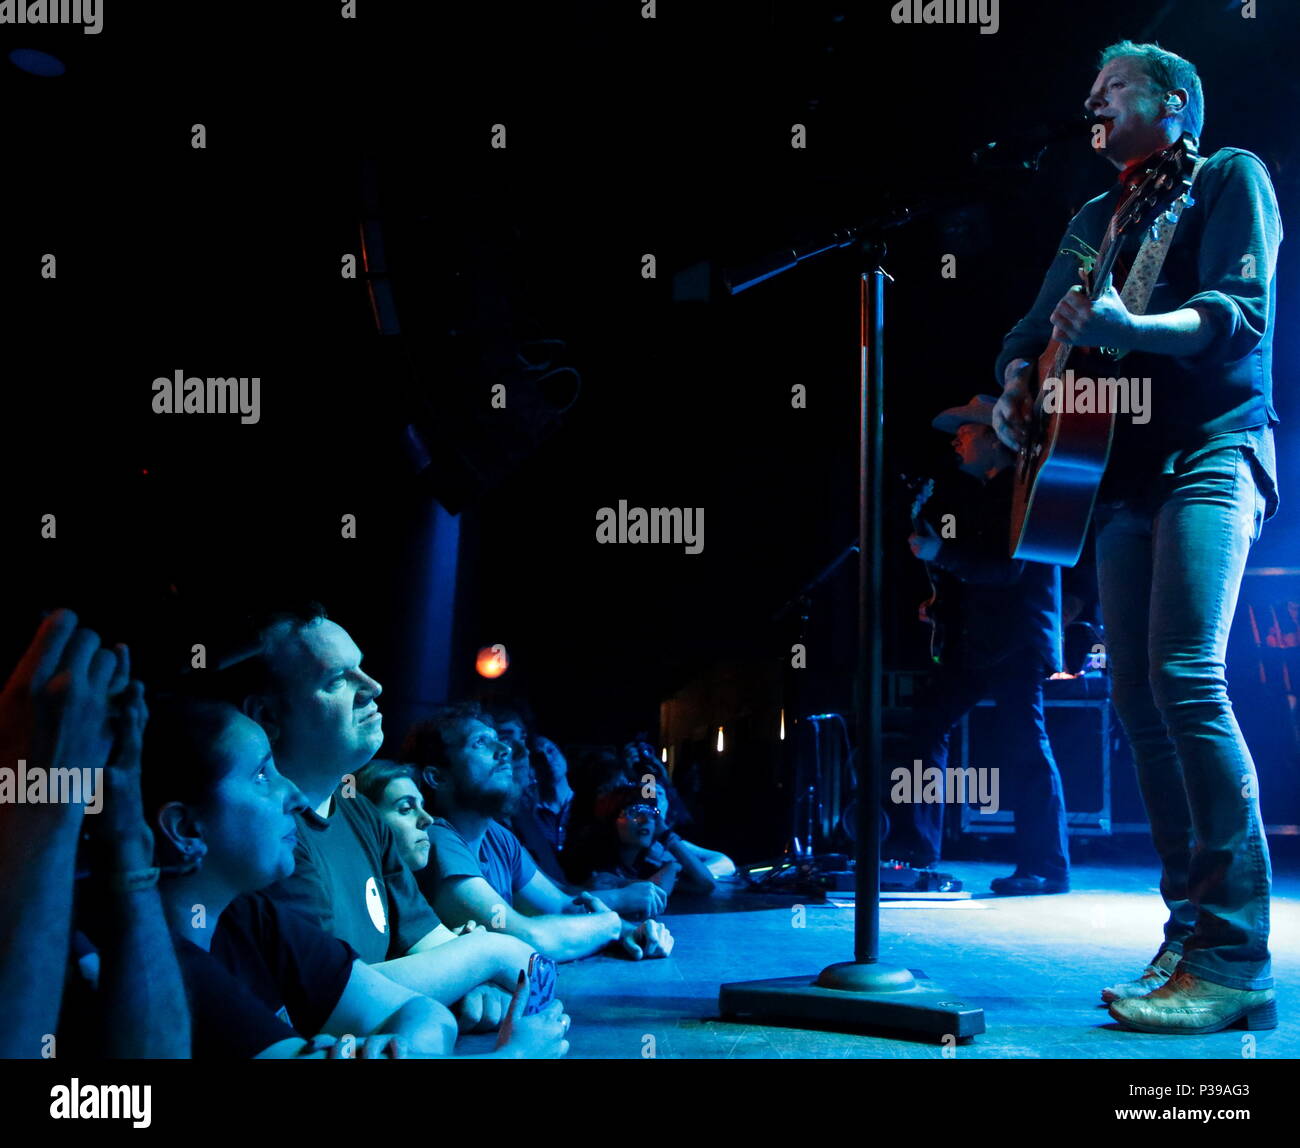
(37, 63)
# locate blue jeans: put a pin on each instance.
(1169, 567)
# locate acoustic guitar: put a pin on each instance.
(1059, 468)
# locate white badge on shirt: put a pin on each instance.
(375, 906)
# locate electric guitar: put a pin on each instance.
(1059, 468)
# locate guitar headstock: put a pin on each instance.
(1166, 177)
(921, 490)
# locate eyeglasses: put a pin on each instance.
(641, 812)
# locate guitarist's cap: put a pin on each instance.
(978, 410)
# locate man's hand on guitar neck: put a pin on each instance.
(1011, 415)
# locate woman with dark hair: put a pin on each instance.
(262, 980)
(394, 788)
(640, 759)
(631, 841)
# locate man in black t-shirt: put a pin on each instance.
(349, 877)
(320, 711)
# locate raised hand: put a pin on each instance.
(55, 709)
(122, 824)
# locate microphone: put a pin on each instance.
(1033, 141)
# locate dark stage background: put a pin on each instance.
(625, 136)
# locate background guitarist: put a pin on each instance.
(1003, 619)
(1182, 500)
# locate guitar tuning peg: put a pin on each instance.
(1155, 233)
(1170, 217)
(1188, 200)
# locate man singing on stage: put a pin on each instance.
(1184, 496)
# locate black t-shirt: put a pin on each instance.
(350, 880)
(271, 975)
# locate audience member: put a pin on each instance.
(520, 814)
(320, 710)
(394, 788)
(70, 716)
(640, 759)
(477, 868)
(632, 842)
(263, 980)
(554, 795)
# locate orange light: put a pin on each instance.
(492, 661)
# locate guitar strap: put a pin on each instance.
(1141, 281)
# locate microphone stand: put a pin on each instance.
(798, 855)
(864, 991)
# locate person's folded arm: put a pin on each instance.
(372, 1003)
(562, 937)
(446, 973)
(432, 939)
(693, 875)
(666, 876)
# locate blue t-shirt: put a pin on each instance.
(501, 861)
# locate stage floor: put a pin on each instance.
(1034, 964)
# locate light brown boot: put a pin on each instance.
(1153, 976)
(1186, 1005)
